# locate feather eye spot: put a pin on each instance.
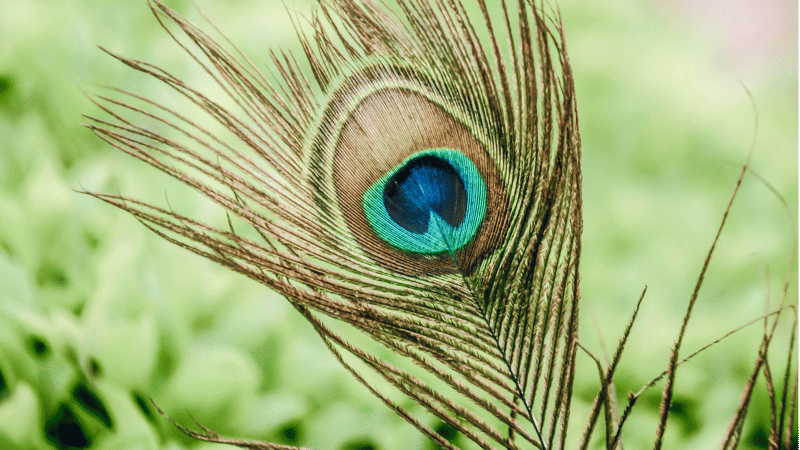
(431, 203)
(418, 190)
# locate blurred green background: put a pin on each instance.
(97, 314)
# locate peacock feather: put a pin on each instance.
(414, 175)
(411, 184)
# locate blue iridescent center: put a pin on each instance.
(431, 203)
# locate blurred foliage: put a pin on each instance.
(97, 315)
